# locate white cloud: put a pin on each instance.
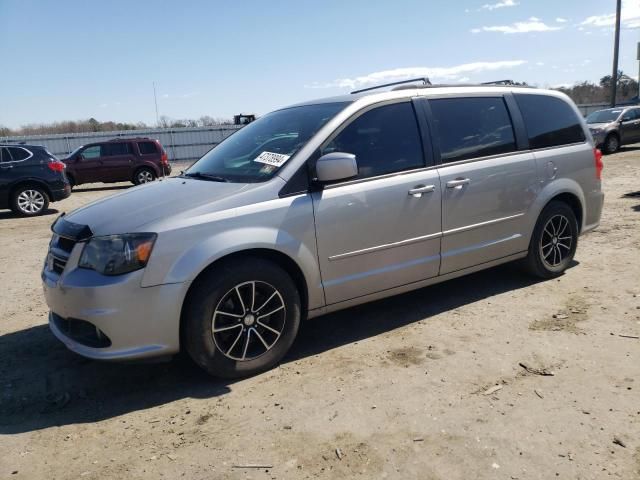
(500, 4)
(629, 16)
(561, 20)
(534, 24)
(540, 64)
(455, 73)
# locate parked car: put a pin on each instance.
(137, 160)
(614, 127)
(318, 207)
(30, 178)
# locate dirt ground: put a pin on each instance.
(428, 385)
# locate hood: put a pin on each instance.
(126, 212)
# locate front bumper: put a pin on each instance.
(139, 322)
(598, 138)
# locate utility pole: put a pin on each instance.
(616, 47)
(155, 99)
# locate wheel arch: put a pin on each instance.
(574, 203)
(279, 258)
(29, 181)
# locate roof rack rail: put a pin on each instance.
(425, 81)
(501, 82)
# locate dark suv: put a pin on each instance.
(137, 160)
(30, 178)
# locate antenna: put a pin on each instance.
(155, 99)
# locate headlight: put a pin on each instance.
(117, 254)
(596, 131)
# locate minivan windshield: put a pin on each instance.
(257, 151)
(604, 116)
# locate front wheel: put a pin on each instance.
(242, 318)
(554, 241)
(611, 144)
(29, 201)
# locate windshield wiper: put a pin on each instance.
(205, 176)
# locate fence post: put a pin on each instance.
(173, 145)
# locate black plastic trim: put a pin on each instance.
(519, 129)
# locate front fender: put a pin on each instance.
(286, 226)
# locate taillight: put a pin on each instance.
(164, 158)
(56, 165)
(597, 156)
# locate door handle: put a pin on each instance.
(418, 190)
(458, 182)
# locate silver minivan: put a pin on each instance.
(321, 206)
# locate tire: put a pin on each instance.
(72, 180)
(611, 144)
(549, 258)
(221, 301)
(144, 175)
(29, 200)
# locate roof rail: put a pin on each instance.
(424, 80)
(501, 82)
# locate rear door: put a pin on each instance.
(381, 230)
(487, 184)
(117, 160)
(630, 126)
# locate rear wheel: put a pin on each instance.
(611, 144)
(242, 318)
(144, 175)
(554, 241)
(29, 200)
(72, 180)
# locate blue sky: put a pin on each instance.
(71, 59)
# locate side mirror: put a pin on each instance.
(336, 166)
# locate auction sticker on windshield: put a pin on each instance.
(270, 158)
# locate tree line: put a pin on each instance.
(93, 125)
(581, 92)
(587, 92)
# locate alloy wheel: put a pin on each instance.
(556, 241)
(145, 176)
(31, 201)
(248, 320)
(612, 144)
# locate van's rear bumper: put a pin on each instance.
(595, 202)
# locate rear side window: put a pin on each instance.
(147, 148)
(472, 127)
(550, 121)
(18, 153)
(112, 149)
(384, 140)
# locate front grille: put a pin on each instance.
(65, 244)
(58, 264)
(59, 250)
(81, 331)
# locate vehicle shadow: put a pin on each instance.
(100, 189)
(10, 215)
(44, 385)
